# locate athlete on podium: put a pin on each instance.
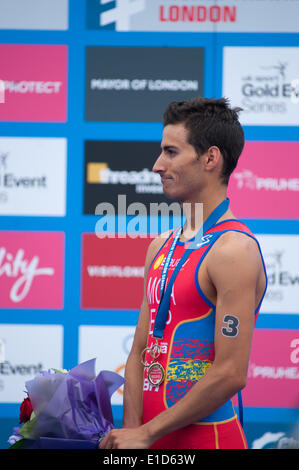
(203, 288)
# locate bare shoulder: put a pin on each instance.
(235, 252)
(236, 242)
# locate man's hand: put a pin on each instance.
(126, 438)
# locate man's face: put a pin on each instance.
(179, 165)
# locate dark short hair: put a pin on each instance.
(210, 122)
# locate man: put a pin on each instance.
(179, 383)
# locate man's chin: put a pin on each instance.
(172, 196)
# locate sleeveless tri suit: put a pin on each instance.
(187, 346)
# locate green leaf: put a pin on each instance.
(27, 428)
(18, 445)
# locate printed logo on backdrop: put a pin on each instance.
(112, 272)
(2, 92)
(114, 168)
(32, 176)
(30, 14)
(273, 373)
(281, 260)
(264, 82)
(35, 79)
(142, 84)
(110, 345)
(295, 91)
(193, 15)
(272, 435)
(263, 186)
(39, 347)
(31, 266)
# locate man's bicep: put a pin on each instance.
(234, 327)
(235, 279)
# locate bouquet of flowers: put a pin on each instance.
(66, 409)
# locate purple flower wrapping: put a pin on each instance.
(73, 405)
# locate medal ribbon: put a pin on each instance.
(163, 308)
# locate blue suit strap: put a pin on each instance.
(240, 402)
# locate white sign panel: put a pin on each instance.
(29, 349)
(281, 258)
(34, 14)
(32, 176)
(197, 16)
(110, 345)
(263, 82)
(2, 350)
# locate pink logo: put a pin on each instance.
(35, 82)
(273, 373)
(263, 185)
(31, 269)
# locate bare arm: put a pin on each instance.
(233, 269)
(133, 387)
(134, 373)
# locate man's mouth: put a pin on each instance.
(165, 178)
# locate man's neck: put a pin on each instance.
(197, 212)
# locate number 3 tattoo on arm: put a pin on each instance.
(232, 328)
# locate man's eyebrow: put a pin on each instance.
(168, 147)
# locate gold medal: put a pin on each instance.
(155, 371)
(155, 374)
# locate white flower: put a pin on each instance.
(13, 439)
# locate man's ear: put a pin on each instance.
(213, 158)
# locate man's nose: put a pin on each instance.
(159, 167)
